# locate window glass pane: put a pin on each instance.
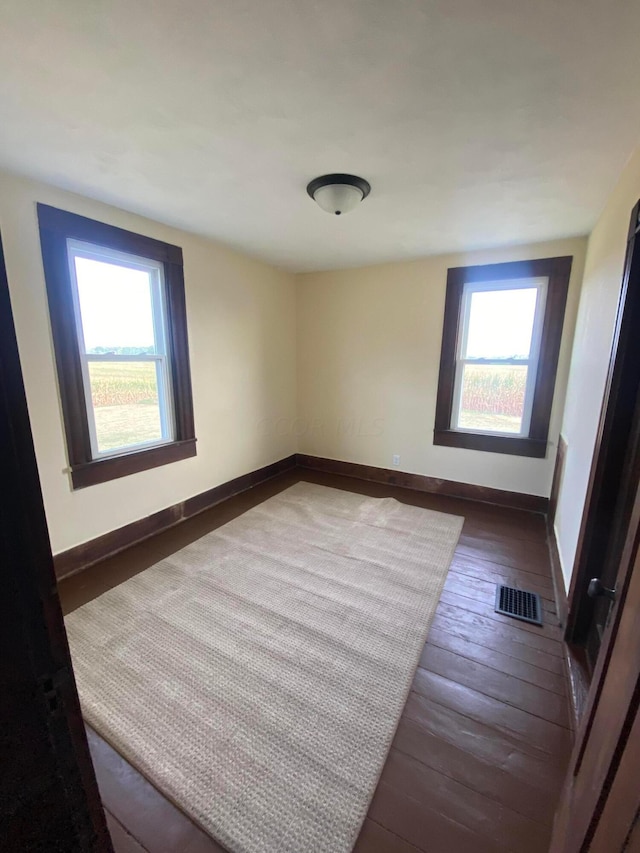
(115, 307)
(125, 403)
(492, 397)
(501, 323)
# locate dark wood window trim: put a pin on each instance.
(557, 270)
(56, 226)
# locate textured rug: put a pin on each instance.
(257, 676)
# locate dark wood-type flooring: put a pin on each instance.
(483, 743)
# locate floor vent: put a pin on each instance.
(519, 604)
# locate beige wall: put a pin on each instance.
(241, 319)
(368, 358)
(591, 350)
(366, 343)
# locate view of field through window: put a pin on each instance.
(492, 397)
(116, 309)
(499, 327)
(125, 403)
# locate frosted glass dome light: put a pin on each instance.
(338, 193)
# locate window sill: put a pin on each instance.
(113, 467)
(532, 447)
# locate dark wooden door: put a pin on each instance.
(601, 794)
(633, 844)
(620, 815)
(615, 473)
(49, 799)
(620, 506)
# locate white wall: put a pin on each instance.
(241, 322)
(591, 351)
(368, 359)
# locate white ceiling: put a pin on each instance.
(477, 123)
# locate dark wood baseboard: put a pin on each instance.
(88, 553)
(422, 483)
(82, 556)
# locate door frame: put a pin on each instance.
(45, 672)
(596, 785)
(597, 790)
(608, 455)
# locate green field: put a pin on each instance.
(118, 383)
(125, 402)
(493, 397)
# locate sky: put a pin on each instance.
(115, 304)
(501, 323)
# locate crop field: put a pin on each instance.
(125, 402)
(120, 383)
(493, 397)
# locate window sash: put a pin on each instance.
(161, 355)
(531, 363)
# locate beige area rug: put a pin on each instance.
(257, 676)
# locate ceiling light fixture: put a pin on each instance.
(338, 193)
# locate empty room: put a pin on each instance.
(320, 425)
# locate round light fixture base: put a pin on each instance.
(338, 193)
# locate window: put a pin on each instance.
(497, 357)
(500, 347)
(116, 301)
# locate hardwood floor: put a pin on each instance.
(482, 746)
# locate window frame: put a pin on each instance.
(557, 272)
(531, 362)
(160, 358)
(57, 227)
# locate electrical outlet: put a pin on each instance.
(396, 459)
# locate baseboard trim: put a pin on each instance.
(422, 483)
(82, 556)
(87, 554)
